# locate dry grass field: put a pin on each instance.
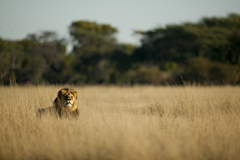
(142, 122)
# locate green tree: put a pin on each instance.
(94, 44)
(11, 57)
(47, 54)
(170, 44)
(36, 59)
(216, 39)
(122, 64)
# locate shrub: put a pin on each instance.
(203, 70)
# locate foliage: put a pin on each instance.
(213, 38)
(94, 45)
(205, 71)
(207, 51)
(216, 39)
(150, 75)
(34, 59)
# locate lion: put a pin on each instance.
(64, 105)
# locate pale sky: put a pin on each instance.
(21, 17)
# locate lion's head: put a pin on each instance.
(66, 99)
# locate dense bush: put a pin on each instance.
(205, 71)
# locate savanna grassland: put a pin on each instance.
(142, 122)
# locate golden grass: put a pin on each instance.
(143, 122)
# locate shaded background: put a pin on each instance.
(120, 42)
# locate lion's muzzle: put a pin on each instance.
(69, 100)
(69, 103)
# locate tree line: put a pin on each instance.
(206, 52)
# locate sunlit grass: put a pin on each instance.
(143, 122)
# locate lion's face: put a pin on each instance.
(68, 97)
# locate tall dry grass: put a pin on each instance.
(123, 123)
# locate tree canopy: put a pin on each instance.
(207, 52)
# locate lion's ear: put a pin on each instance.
(74, 94)
(61, 92)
